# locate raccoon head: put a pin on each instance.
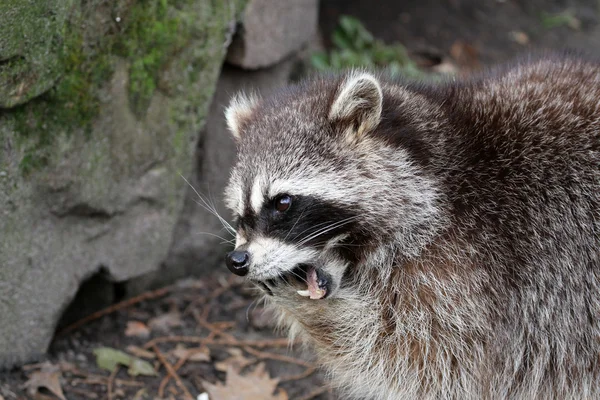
(314, 191)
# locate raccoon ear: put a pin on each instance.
(239, 111)
(358, 104)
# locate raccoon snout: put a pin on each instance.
(238, 261)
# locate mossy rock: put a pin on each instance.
(31, 38)
(91, 161)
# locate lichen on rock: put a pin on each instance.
(90, 162)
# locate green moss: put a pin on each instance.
(30, 39)
(157, 31)
(152, 36)
(69, 106)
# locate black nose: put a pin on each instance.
(237, 262)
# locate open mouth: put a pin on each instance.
(316, 281)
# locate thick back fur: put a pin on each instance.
(471, 269)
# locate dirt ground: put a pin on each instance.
(172, 328)
(217, 317)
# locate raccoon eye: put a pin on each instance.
(283, 202)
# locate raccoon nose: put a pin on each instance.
(238, 262)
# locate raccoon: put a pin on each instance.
(430, 241)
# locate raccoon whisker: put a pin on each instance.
(309, 228)
(210, 208)
(253, 303)
(232, 242)
(313, 226)
(328, 228)
(211, 203)
(293, 226)
(298, 276)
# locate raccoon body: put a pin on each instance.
(430, 242)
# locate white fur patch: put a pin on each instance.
(257, 194)
(270, 257)
(239, 240)
(240, 108)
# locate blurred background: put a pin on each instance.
(114, 155)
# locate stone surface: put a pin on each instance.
(194, 242)
(90, 172)
(31, 35)
(271, 30)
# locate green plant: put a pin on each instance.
(355, 46)
(564, 18)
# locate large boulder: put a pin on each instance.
(272, 30)
(194, 242)
(100, 106)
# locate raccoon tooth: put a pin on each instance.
(303, 293)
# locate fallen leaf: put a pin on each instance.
(237, 361)
(137, 329)
(139, 352)
(141, 394)
(141, 367)
(465, 55)
(519, 37)
(256, 385)
(47, 377)
(166, 321)
(446, 67)
(107, 358)
(193, 354)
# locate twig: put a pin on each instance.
(111, 381)
(214, 331)
(166, 379)
(231, 283)
(221, 342)
(278, 357)
(116, 307)
(102, 380)
(172, 372)
(315, 393)
(82, 392)
(305, 374)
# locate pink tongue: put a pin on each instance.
(313, 286)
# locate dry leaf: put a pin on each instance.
(465, 55)
(139, 352)
(237, 361)
(47, 377)
(256, 385)
(166, 321)
(519, 37)
(108, 358)
(141, 394)
(194, 354)
(446, 67)
(137, 329)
